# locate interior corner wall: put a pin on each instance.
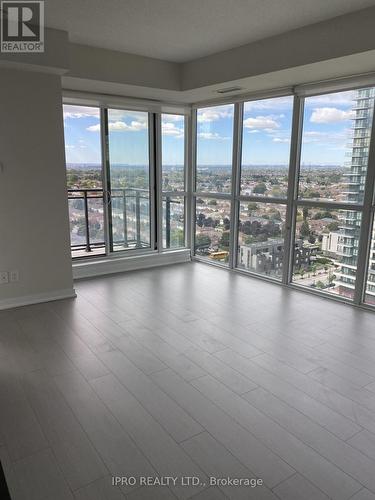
(34, 223)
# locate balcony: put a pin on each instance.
(129, 210)
(129, 220)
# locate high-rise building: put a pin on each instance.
(347, 248)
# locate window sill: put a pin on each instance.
(112, 265)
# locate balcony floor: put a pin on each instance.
(83, 253)
(187, 370)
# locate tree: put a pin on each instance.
(260, 188)
(200, 219)
(304, 230)
(178, 237)
(212, 202)
(311, 238)
(224, 240)
(226, 223)
(202, 241)
(324, 214)
(209, 222)
(275, 214)
(333, 226)
(251, 207)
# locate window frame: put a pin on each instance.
(214, 195)
(292, 202)
(154, 110)
(159, 184)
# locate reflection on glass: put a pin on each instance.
(212, 229)
(173, 152)
(261, 238)
(267, 127)
(326, 249)
(370, 284)
(130, 178)
(214, 149)
(173, 222)
(335, 146)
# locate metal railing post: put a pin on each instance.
(88, 248)
(124, 214)
(138, 217)
(167, 222)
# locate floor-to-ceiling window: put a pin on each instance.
(117, 202)
(293, 205)
(332, 174)
(370, 283)
(264, 175)
(84, 179)
(129, 179)
(173, 180)
(280, 186)
(213, 182)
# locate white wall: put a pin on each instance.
(93, 63)
(337, 37)
(34, 230)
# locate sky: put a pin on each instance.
(267, 130)
(266, 133)
(128, 136)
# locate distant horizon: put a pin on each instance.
(266, 133)
(221, 166)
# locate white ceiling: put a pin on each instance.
(183, 30)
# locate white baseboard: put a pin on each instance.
(100, 267)
(37, 298)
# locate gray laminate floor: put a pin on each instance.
(190, 371)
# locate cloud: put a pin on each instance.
(281, 139)
(261, 122)
(122, 115)
(277, 103)
(119, 126)
(173, 118)
(94, 128)
(213, 114)
(314, 133)
(170, 129)
(338, 139)
(80, 111)
(330, 115)
(211, 136)
(336, 99)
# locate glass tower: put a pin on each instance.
(348, 242)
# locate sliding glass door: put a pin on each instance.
(85, 182)
(128, 179)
